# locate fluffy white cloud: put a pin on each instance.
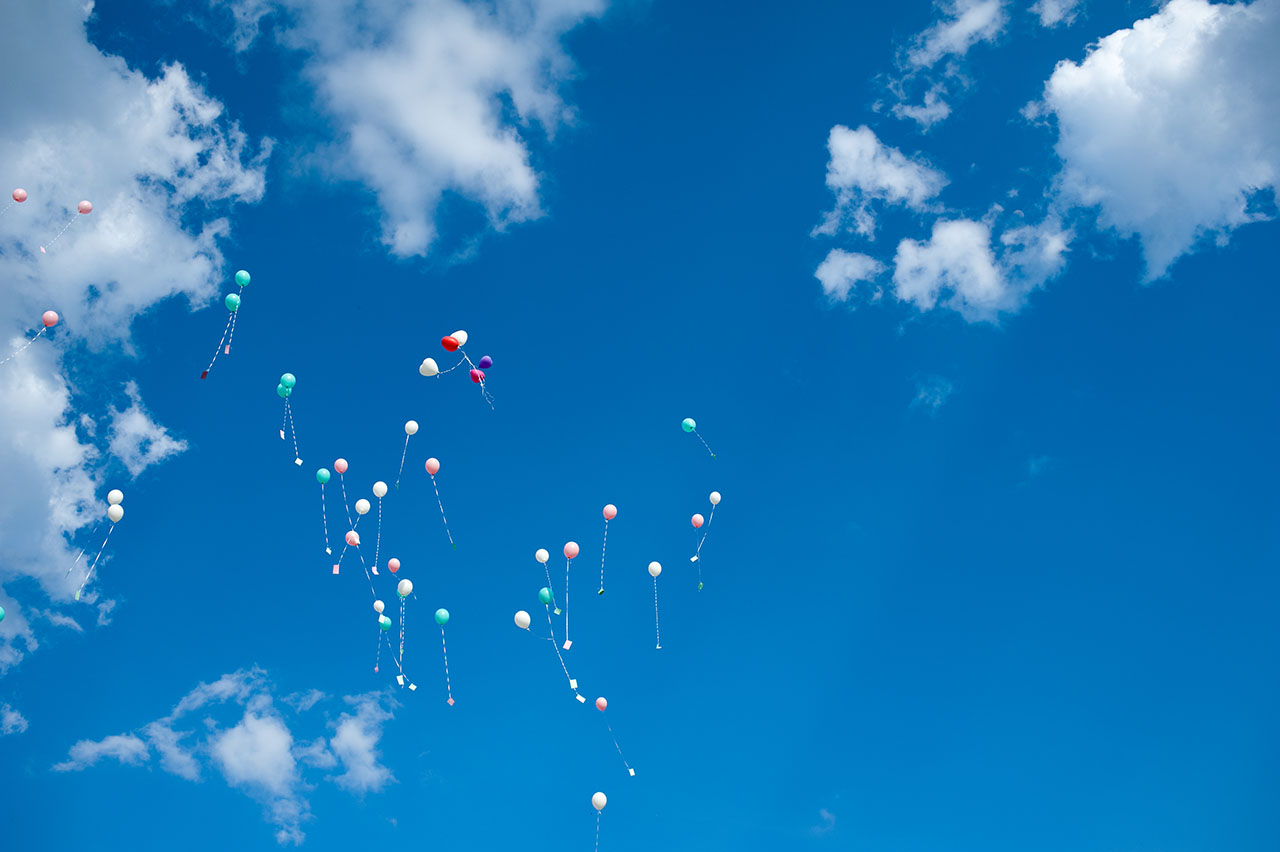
(136, 439)
(1171, 128)
(1056, 12)
(962, 24)
(11, 721)
(126, 748)
(863, 171)
(257, 754)
(355, 742)
(841, 271)
(931, 110)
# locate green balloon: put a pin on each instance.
(288, 380)
(283, 391)
(544, 595)
(688, 424)
(1, 613)
(384, 623)
(242, 278)
(322, 475)
(232, 302)
(442, 617)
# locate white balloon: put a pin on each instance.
(522, 620)
(115, 496)
(542, 556)
(411, 427)
(362, 506)
(429, 367)
(378, 607)
(461, 337)
(598, 801)
(404, 588)
(654, 569)
(115, 512)
(715, 498)
(379, 489)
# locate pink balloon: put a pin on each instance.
(601, 704)
(353, 539)
(19, 195)
(433, 466)
(610, 512)
(697, 521)
(85, 207)
(340, 465)
(570, 550)
(50, 319)
(393, 565)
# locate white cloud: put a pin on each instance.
(355, 742)
(1056, 12)
(827, 824)
(841, 271)
(1171, 128)
(963, 23)
(136, 439)
(126, 748)
(932, 392)
(931, 110)
(257, 754)
(11, 721)
(863, 171)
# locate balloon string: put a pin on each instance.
(557, 649)
(288, 415)
(77, 562)
(615, 745)
(402, 631)
(377, 546)
(324, 517)
(448, 687)
(403, 453)
(24, 346)
(441, 505)
(377, 659)
(232, 335)
(697, 554)
(656, 632)
(566, 602)
(345, 504)
(399, 667)
(603, 547)
(60, 233)
(216, 352)
(597, 831)
(366, 570)
(704, 443)
(89, 573)
(455, 366)
(545, 567)
(7, 206)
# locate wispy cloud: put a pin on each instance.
(826, 824)
(11, 721)
(932, 392)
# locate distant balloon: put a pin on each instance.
(697, 521)
(2, 608)
(429, 368)
(379, 606)
(49, 318)
(384, 623)
(353, 538)
(477, 376)
(115, 512)
(404, 588)
(362, 506)
(450, 343)
(688, 424)
(601, 704)
(242, 278)
(544, 595)
(85, 208)
(393, 565)
(115, 496)
(610, 512)
(715, 498)
(598, 801)
(541, 555)
(283, 392)
(379, 489)
(322, 475)
(411, 427)
(571, 550)
(288, 380)
(655, 568)
(340, 466)
(433, 466)
(522, 620)
(19, 195)
(460, 336)
(442, 615)
(232, 302)
(485, 362)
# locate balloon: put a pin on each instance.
(232, 301)
(477, 376)
(242, 278)
(688, 424)
(288, 380)
(442, 615)
(322, 475)
(115, 496)
(715, 498)
(411, 427)
(697, 521)
(404, 588)
(598, 801)
(542, 556)
(393, 565)
(379, 489)
(654, 569)
(429, 367)
(433, 466)
(570, 549)
(449, 342)
(282, 391)
(544, 595)
(610, 512)
(378, 607)
(384, 623)
(115, 512)
(353, 538)
(485, 362)
(84, 207)
(2, 608)
(49, 318)
(601, 704)
(522, 620)
(460, 336)
(340, 466)
(19, 195)
(362, 506)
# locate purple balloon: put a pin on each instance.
(486, 362)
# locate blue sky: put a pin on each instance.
(983, 344)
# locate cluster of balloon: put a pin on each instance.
(610, 512)
(454, 343)
(285, 390)
(598, 801)
(114, 513)
(232, 301)
(322, 476)
(84, 208)
(570, 551)
(47, 321)
(19, 195)
(691, 425)
(522, 621)
(410, 429)
(655, 569)
(697, 522)
(543, 557)
(442, 618)
(601, 704)
(433, 467)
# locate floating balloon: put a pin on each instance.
(541, 555)
(362, 506)
(285, 389)
(433, 467)
(544, 595)
(454, 343)
(340, 466)
(410, 429)
(19, 195)
(353, 539)
(570, 551)
(1, 613)
(393, 565)
(442, 616)
(48, 320)
(522, 620)
(655, 569)
(115, 497)
(429, 367)
(379, 489)
(322, 476)
(697, 521)
(610, 512)
(224, 345)
(379, 606)
(115, 512)
(288, 380)
(697, 555)
(83, 208)
(384, 623)
(598, 801)
(715, 499)
(690, 425)
(485, 362)
(404, 588)
(477, 376)
(601, 704)
(450, 343)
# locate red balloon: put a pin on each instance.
(477, 376)
(449, 342)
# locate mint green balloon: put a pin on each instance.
(688, 424)
(232, 302)
(384, 623)
(283, 391)
(288, 380)
(442, 617)
(322, 475)
(544, 595)
(1, 613)
(242, 278)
